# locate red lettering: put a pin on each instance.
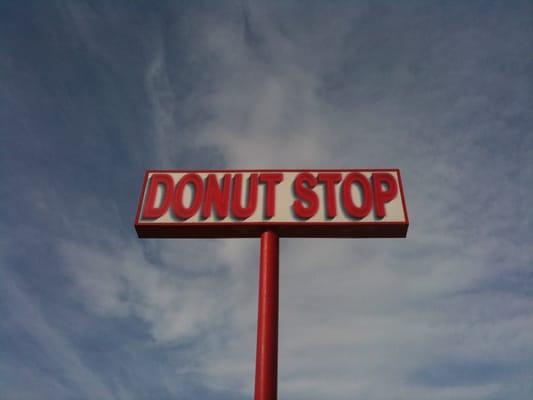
(150, 210)
(217, 197)
(382, 196)
(237, 210)
(270, 180)
(366, 195)
(330, 179)
(180, 211)
(303, 188)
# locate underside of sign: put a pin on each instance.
(363, 203)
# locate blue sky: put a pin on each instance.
(92, 94)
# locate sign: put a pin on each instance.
(292, 203)
(269, 204)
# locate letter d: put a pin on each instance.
(151, 211)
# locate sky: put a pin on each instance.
(94, 93)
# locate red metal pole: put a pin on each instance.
(266, 361)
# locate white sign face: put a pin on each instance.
(298, 203)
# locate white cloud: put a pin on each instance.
(57, 368)
(359, 318)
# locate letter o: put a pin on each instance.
(180, 211)
(366, 191)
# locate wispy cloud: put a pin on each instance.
(440, 91)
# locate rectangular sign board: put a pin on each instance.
(293, 203)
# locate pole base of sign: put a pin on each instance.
(266, 372)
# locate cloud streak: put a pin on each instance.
(438, 91)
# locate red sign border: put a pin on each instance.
(287, 229)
